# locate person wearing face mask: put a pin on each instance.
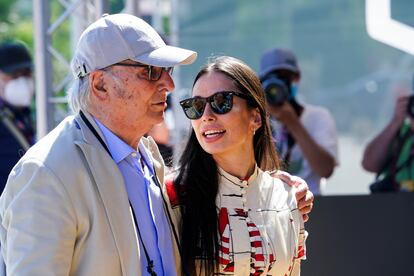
(16, 93)
(305, 135)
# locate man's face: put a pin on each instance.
(134, 103)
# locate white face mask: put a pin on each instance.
(19, 92)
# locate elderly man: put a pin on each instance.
(89, 198)
(84, 196)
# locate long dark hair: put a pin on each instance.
(197, 180)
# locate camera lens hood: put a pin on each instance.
(276, 90)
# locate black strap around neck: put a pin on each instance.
(150, 262)
(95, 133)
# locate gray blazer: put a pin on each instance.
(65, 209)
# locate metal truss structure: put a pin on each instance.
(80, 13)
(49, 60)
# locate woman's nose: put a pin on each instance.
(208, 113)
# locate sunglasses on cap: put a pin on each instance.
(154, 72)
(220, 103)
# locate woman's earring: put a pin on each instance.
(254, 131)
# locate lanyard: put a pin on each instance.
(150, 263)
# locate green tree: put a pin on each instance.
(5, 6)
(16, 21)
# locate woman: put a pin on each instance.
(237, 218)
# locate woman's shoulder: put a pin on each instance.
(171, 190)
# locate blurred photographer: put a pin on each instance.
(305, 135)
(390, 153)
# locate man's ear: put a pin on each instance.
(97, 85)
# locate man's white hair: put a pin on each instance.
(78, 95)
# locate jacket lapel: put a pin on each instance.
(158, 163)
(111, 188)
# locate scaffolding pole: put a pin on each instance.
(82, 13)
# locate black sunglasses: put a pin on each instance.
(220, 102)
(154, 72)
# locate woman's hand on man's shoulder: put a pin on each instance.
(304, 196)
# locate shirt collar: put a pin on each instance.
(146, 157)
(118, 148)
(238, 181)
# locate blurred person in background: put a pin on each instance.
(305, 135)
(16, 93)
(390, 154)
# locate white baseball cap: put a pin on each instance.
(114, 38)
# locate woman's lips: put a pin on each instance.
(213, 135)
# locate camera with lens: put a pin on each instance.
(410, 107)
(277, 90)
